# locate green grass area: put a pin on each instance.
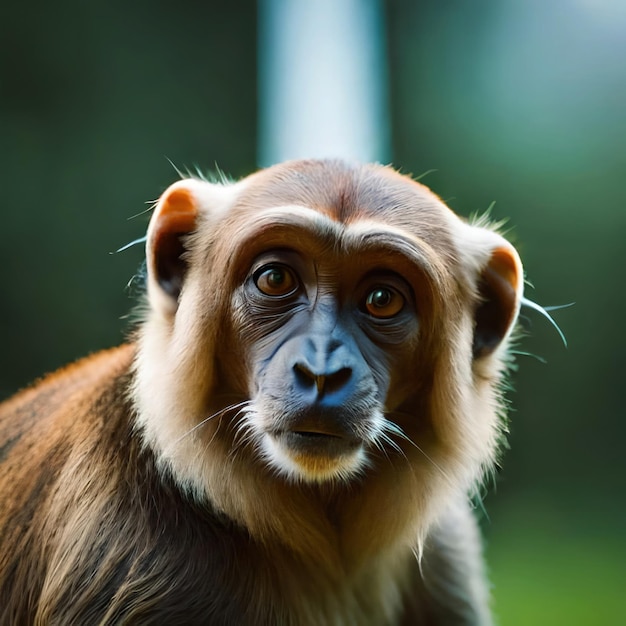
(557, 576)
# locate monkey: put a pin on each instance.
(295, 429)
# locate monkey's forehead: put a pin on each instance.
(347, 193)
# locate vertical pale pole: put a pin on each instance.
(322, 80)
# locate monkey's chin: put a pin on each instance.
(313, 457)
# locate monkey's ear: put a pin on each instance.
(176, 216)
(500, 288)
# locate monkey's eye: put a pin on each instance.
(384, 302)
(275, 280)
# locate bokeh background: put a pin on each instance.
(521, 103)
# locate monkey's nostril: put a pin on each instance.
(337, 380)
(304, 375)
(325, 383)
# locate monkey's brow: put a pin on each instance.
(288, 223)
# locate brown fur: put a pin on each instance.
(120, 502)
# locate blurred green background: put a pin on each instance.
(518, 102)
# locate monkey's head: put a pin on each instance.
(319, 323)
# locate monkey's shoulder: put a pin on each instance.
(51, 426)
(64, 395)
(91, 530)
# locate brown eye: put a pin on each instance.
(383, 302)
(275, 280)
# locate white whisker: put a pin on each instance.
(392, 443)
(397, 430)
(200, 424)
(381, 448)
(244, 433)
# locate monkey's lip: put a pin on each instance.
(317, 441)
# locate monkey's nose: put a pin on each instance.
(324, 382)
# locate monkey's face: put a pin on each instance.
(323, 319)
(327, 331)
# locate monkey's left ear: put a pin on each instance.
(500, 287)
(174, 218)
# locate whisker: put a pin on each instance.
(244, 433)
(392, 443)
(544, 311)
(199, 425)
(208, 445)
(381, 448)
(397, 430)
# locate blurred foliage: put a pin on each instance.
(522, 103)
(94, 100)
(545, 572)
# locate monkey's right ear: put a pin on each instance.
(175, 217)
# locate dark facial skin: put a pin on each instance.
(329, 334)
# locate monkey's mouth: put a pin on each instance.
(315, 446)
(317, 442)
